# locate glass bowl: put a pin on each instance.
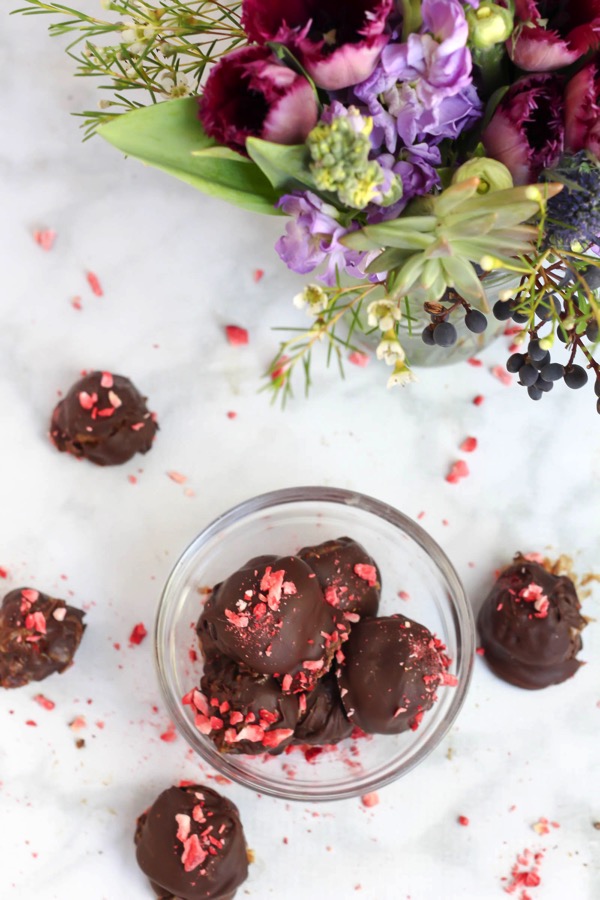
(417, 580)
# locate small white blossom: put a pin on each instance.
(391, 351)
(175, 87)
(314, 297)
(400, 376)
(383, 314)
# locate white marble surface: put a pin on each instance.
(175, 268)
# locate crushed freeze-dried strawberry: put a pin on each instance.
(258, 275)
(177, 477)
(474, 362)
(87, 401)
(184, 826)
(45, 237)
(359, 359)
(478, 400)
(469, 444)
(94, 283)
(511, 330)
(236, 336)
(501, 374)
(193, 855)
(231, 414)
(77, 723)
(36, 622)
(76, 303)
(138, 634)
(367, 572)
(169, 735)
(275, 737)
(132, 479)
(463, 820)
(371, 799)
(44, 702)
(458, 470)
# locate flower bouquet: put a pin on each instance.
(437, 161)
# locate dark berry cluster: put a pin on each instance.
(443, 333)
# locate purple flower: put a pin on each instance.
(418, 173)
(550, 34)
(312, 238)
(526, 132)
(582, 110)
(249, 94)
(338, 43)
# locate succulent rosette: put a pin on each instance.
(552, 34)
(250, 94)
(337, 43)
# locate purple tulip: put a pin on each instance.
(550, 34)
(249, 94)
(338, 43)
(526, 132)
(582, 110)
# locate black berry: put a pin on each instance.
(527, 375)
(427, 337)
(502, 310)
(445, 334)
(476, 321)
(552, 372)
(534, 392)
(514, 362)
(575, 377)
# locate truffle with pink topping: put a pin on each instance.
(274, 621)
(191, 845)
(38, 636)
(530, 626)
(349, 577)
(241, 712)
(323, 719)
(392, 670)
(103, 418)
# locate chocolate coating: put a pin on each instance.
(231, 700)
(336, 565)
(325, 720)
(207, 839)
(274, 621)
(527, 641)
(38, 636)
(392, 669)
(103, 418)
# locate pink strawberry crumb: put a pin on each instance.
(94, 283)
(76, 303)
(359, 359)
(78, 723)
(44, 702)
(501, 374)
(231, 414)
(370, 800)
(458, 470)
(132, 479)
(468, 445)
(45, 238)
(478, 400)
(138, 634)
(367, 572)
(258, 275)
(177, 477)
(169, 735)
(3, 572)
(474, 362)
(236, 336)
(463, 820)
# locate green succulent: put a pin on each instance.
(435, 243)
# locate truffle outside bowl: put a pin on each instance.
(412, 567)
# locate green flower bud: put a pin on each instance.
(489, 24)
(493, 175)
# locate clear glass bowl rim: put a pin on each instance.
(460, 608)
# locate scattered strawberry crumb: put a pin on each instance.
(236, 336)
(511, 330)
(78, 723)
(94, 283)
(480, 651)
(45, 237)
(169, 735)
(478, 400)
(463, 820)
(525, 873)
(404, 595)
(501, 374)
(76, 303)
(258, 275)
(177, 477)
(44, 702)
(370, 800)
(3, 573)
(469, 444)
(231, 414)
(31, 723)
(138, 634)
(359, 359)
(474, 362)
(458, 470)
(421, 515)
(132, 479)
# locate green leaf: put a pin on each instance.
(387, 260)
(286, 167)
(170, 137)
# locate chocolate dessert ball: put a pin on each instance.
(349, 577)
(191, 845)
(274, 621)
(530, 626)
(241, 712)
(324, 720)
(103, 418)
(38, 636)
(392, 670)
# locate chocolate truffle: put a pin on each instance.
(191, 845)
(348, 576)
(392, 670)
(241, 712)
(38, 636)
(274, 621)
(530, 626)
(325, 720)
(103, 418)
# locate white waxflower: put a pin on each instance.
(314, 297)
(383, 314)
(175, 87)
(136, 36)
(391, 351)
(400, 376)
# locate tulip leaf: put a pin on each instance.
(285, 166)
(170, 137)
